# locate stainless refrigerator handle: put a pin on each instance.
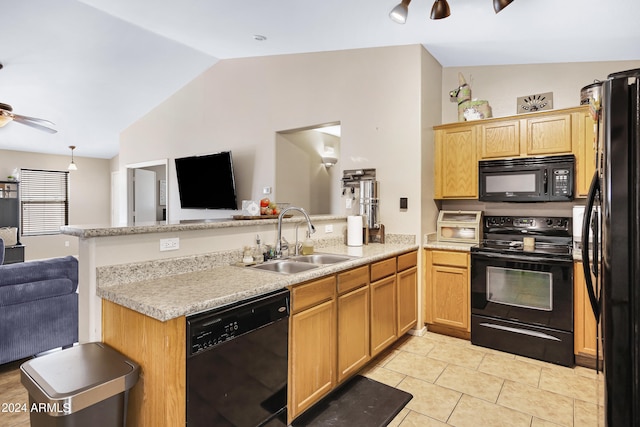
(594, 189)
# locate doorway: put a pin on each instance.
(147, 192)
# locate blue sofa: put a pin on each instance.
(38, 307)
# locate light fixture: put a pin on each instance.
(72, 166)
(440, 9)
(498, 5)
(399, 13)
(329, 161)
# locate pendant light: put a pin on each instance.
(399, 13)
(72, 166)
(440, 9)
(498, 5)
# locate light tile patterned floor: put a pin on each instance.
(455, 383)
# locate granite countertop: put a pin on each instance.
(174, 295)
(103, 230)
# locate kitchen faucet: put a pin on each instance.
(310, 228)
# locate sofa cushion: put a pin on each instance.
(9, 235)
(32, 291)
(40, 270)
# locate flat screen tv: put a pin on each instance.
(207, 181)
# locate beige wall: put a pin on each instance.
(241, 104)
(501, 85)
(88, 199)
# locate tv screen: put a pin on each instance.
(206, 182)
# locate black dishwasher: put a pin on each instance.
(237, 363)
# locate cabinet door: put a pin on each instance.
(584, 320)
(500, 139)
(548, 134)
(312, 361)
(407, 300)
(353, 331)
(447, 287)
(456, 164)
(383, 314)
(583, 128)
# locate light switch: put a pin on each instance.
(404, 203)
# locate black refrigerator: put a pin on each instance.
(612, 264)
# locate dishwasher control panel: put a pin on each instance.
(209, 329)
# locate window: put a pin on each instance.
(44, 197)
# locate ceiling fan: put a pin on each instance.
(7, 115)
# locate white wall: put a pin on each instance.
(241, 104)
(89, 197)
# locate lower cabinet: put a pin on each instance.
(353, 321)
(584, 322)
(312, 344)
(384, 330)
(448, 306)
(338, 323)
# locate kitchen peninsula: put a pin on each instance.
(135, 297)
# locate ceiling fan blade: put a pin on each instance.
(34, 123)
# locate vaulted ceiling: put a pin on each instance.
(93, 67)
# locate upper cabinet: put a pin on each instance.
(456, 165)
(459, 147)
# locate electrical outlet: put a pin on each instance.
(348, 203)
(266, 190)
(328, 228)
(170, 244)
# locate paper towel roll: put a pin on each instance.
(354, 230)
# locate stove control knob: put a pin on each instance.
(549, 222)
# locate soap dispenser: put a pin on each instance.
(307, 245)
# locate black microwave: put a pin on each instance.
(530, 179)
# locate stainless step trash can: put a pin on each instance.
(83, 385)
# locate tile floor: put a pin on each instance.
(455, 383)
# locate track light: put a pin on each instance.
(440, 9)
(72, 166)
(399, 13)
(498, 5)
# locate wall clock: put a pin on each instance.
(533, 103)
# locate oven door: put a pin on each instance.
(523, 305)
(529, 289)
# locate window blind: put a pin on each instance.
(44, 197)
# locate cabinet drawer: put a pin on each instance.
(312, 293)
(353, 279)
(407, 260)
(458, 259)
(383, 269)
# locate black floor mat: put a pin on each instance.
(360, 402)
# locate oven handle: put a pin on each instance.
(523, 258)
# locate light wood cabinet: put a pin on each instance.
(338, 323)
(584, 324)
(312, 344)
(407, 282)
(456, 165)
(158, 398)
(583, 127)
(499, 139)
(448, 308)
(383, 314)
(459, 146)
(548, 134)
(353, 321)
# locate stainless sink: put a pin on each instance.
(285, 266)
(322, 259)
